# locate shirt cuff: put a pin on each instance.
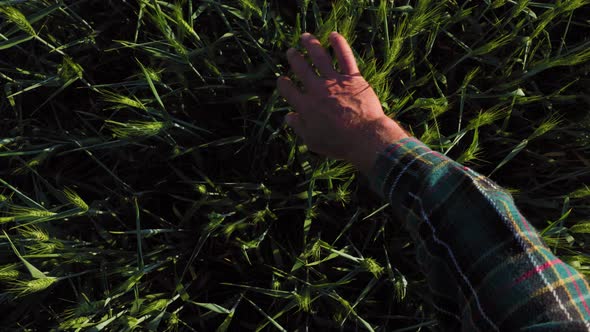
(405, 156)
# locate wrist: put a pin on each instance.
(377, 136)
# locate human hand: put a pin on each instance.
(337, 114)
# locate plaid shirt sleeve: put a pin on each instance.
(486, 266)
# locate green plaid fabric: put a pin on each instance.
(487, 267)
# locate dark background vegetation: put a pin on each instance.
(148, 182)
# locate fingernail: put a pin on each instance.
(306, 35)
(291, 51)
(333, 34)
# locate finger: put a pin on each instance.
(300, 67)
(319, 56)
(295, 121)
(289, 91)
(346, 60)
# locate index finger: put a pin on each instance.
(290, 92)
(320, 57)
(346, 60)
(300, 67)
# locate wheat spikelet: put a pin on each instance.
(9, 272)
(136, 128)
(6, 219)
(22, 288)
(45, 247)
(75, 199)
(20, 211)
(16, 17)
(69, 69)
(304, 300)
(123, 100)
(9, 275)
(372, 266)
(35, 233)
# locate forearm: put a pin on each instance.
(467, 227)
